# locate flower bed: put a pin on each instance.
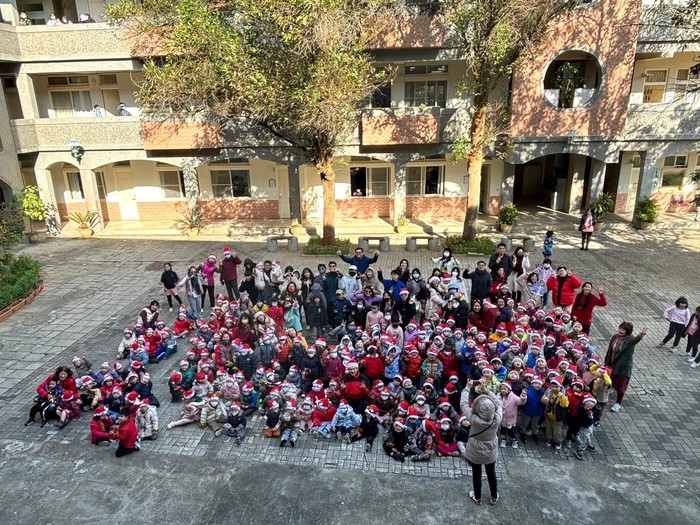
(19, 279)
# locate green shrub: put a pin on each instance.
(11, 225)
(482, 245)
(315, 246)
(647, 210)
(18, 278)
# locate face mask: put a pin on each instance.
(316, 388)
(384, 396)
(416, 276)
(455, 305)
(445, 254)
(334, 354)
(445, 427)
(421, 401)
(360, 306)
(387, 317)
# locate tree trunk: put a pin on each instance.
(475, 160)
(325, 169)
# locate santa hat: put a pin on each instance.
(212, 256)
(403, 407)
(132, 397)
(107, 378)
(450, 388)
(321, 342)
(420, 395)
(201, 377)
(372, 410)
(272, 404)
(68, 395)
(406, 380)
(529, 372)
(136, 365)
(352, 364)
(555, 381)
(322, 403)
(86, 380)
(101, 411)
(294, 368)
(488, 368)
(400, 422)
(444, 401)
(445, 419)
(507, 385)
(413, 412)
(342, 403)
(590, 399)
(176, 377)
(428, 426)
(227, 251)
(536, 380)
(577, 381)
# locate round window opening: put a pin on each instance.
(572, 80)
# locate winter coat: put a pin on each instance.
(564, 290)
(99, 429)
(506, 263)
(621, 362)
(229, 268)
(316, 315)
(311, 367)
(481, 283)
(374, 366)
(346, 417)
(169, 279)
(126, 434)
(406, 311)
(362, 263)
(290, 419)
(510, 409)
(355, 387)
(317, 291)
(323, 416)
(435, 301)
(533, 406)
(191, 410)
(147, 423)
(247, 364)
(212, 413)
(208, 269)
(485, 416)
(583, 309)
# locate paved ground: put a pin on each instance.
(94, 288)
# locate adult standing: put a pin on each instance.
(169, 279)
(193, 291)
(563, 286)
(692, 331)
(620, 357)
(481, 281)
(521, 264)
(582, 310)
(208, 268)
(586, 227)
(482, 446)
(360, 259)
(501, 259)
(229, 273)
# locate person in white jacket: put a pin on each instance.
(678, 317)
(147, 421)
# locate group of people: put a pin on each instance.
(456, 362)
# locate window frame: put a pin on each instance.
(369, 180)
(655, 86)
(230, 168)
(67, 175)
(426, 84)
(423, 179)
(101, 185)
(689, 86)
(163, 187)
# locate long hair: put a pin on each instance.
(581, 302)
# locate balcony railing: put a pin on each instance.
(110, 133)
(650, 120)
(409, 126)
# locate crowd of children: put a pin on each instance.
(394, 355)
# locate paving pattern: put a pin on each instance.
(95, 288)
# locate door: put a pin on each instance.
(484, 191)
(532, 181)
(128, 207)
(110, 101)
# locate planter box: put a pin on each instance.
(17, 305)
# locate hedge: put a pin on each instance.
(482, 245)
(19, 277)
(315, 246)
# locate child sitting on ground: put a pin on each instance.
(68, 409)
(100, 425)
(236, 423)
(190, 411)
(345, 421)
(369, 427)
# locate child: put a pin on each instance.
(99, 426)
(190, 411)
(249, 399)
(556, 404)
(533, 410)
(306, 413)
(176, 387)
(236, 423)
(463, 434)
(396, 440)
(68, 409)
(548, 244)
(316, 317)
(446, 438)
(510, 403)
(169, 280)
(678, 317)
(126, 434)
(147, 421)
(600, 388)
(369, 427)
(272, 420)
(323, 418)
(92, 396)
(345, 421)
(585, 423)
(290, 420)
(212, 415)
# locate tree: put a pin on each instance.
(493, 36)
(296, 68)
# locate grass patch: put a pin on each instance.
(19, 277)
(315, 247)
(482, 245)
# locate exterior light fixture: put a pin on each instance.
(76, 150)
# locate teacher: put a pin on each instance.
(620, 358)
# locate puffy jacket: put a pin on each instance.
(212, 413)
(147, 423)
(564, 291)
(374, 366)
(99, 429)
(127, 435)
(355, 387)
(247, 364)
(583, 311)
(485, 415)
(510, 409)
(229, 268)
(346, 417)
(323, 416)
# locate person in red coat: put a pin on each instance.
(563, 287)
(229, 273)
(354, 387)
(100, 425)
(582, 310)
(372, 364)
(126, 434)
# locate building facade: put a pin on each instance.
(604, 105)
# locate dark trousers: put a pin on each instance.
(675, 331)
(585, 239)
(620, 384)
(209, 289)
(170, 300)
(232, 289)
(490, 475)
(692, 346)
(586, 329)
(123, 451)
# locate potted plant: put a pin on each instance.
(507, 218)
(604, 204)
(296, 228)
(33, 209)
(568, 78)
(402, 225)
(192, 222)
(86, 222)
(647, 213)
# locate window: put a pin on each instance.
(69, 104)
(424, 180)
(366, 181)
(101, 191)
(654, 86)
(425, 70)
(674, 170)
(172, 184)
(226, 184)
(74, 80)
(75, 186)
(678, 161)
(426, 93)
(108, 80)
(686, 85)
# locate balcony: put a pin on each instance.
(658, 35)
(112, 133)
(9, 47)
(669, 119)
(410, 31)
(410, 126)
(177, 135)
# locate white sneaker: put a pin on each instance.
(170, 310)
(694, 365)
(503, 444)
(515, 444)
(673, 349)
(616, 407)
(691, 359)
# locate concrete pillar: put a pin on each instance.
(598, 169)
(44, 182)
(648, 178)
(191, 180)
(577, 168)
(507, 183)
(294, 178)
(27, 96)
(92, 197)
(623, 183)
(399, 188)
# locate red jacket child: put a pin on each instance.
(100, 425)
(182, 325)
(323, 413)
(126, 433)
(276, 313)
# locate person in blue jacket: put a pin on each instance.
(532, 411)
(360, 260)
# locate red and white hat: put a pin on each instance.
(176, 377)
(372, 410)
(445, 402)
(227, 251)
(321, 342)
(68, 395)
(400, 422)
(352, 364)
(555, 381)
(201, 377)
(132, 397)
(101, 411)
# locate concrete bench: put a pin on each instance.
(384, 243)
(292, 243)
(412, 242)
(528, 242)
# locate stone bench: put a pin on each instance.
(412, 242)
(292, 243)
(528, 242)
(384, 243)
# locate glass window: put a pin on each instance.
(426, 93)
(75, 186)
(172, 184)
(424, 180)
(68, 104)
(379, 182)
(226, 184)
(108, 80)
(100, 178)
(369, 181)
(654, 86)
(678, 161)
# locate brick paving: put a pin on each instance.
(95, 288)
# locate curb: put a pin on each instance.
(17, 305)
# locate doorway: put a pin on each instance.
(484, 193)
(128, 207)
